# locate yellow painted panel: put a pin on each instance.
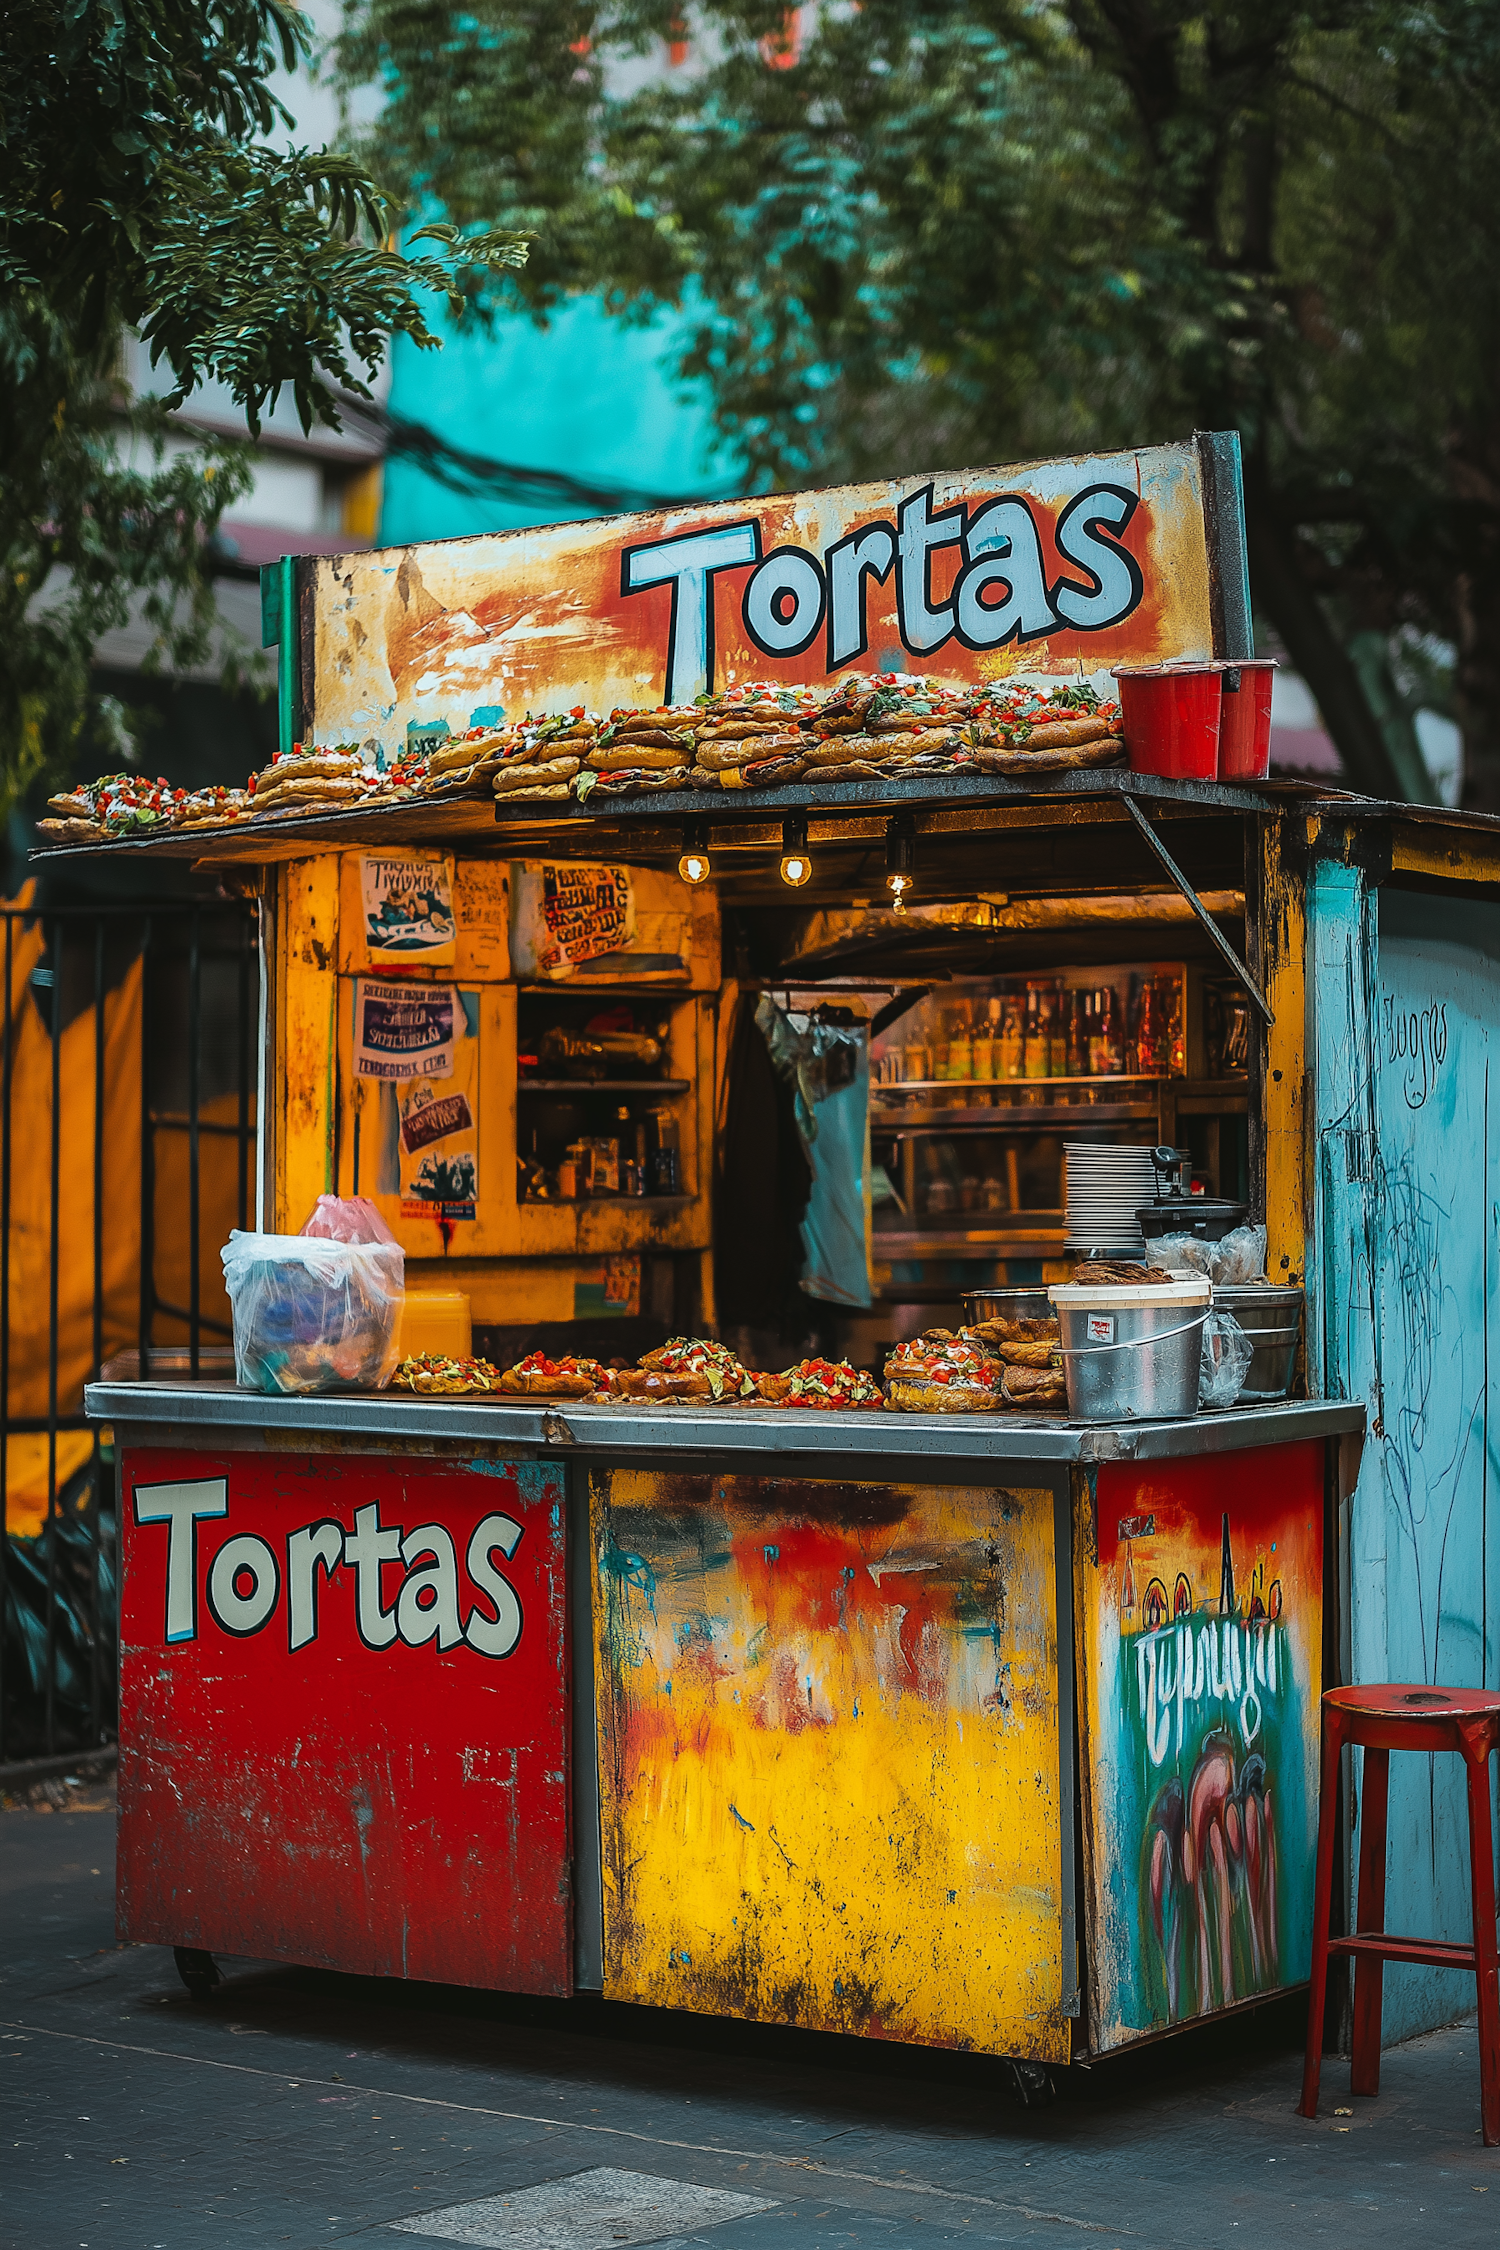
(829, 1756)
(306, 988)
(1283, 938)
(1455, 856)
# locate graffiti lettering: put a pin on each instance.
(1417, 1037)
(1219, 1660)
(245, 1580)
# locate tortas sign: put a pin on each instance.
(1057, 570)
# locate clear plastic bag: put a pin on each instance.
(347, 1218)
(311, 1314)
(1234, 1262)
(1223, 1362)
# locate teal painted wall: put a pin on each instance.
(586, 396)
(1405, 997)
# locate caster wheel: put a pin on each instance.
(1031, 2084)
(196, 1970)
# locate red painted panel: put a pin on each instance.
(344, 1714)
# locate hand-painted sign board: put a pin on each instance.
(1200, 1639)
(1058, 570)
(344, 1731)
(829, 1757)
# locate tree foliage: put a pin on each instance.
(922, 233)
(137, 188)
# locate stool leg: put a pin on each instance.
(1369, 1921)
(1312, 2064)
(1482, 1868)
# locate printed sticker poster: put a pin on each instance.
(403, 1030)
(1203, 1635)
(438, 1135)
(408, 908)
(567, 915)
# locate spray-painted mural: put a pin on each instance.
(1201, 1618)
(829, 1756)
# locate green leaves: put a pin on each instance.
(137, 189)
(929, 233)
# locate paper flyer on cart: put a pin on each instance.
(408, 906)
(403, 1030)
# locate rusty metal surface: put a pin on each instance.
(872, 1439)
(829, 1755)
(344, 1714)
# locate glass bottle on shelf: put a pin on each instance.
(1038, 1036)
(917, 1065)
(961, 1048)
(1114, 1032)
(1077, 1053)
(938, 1048)
(983, 1056)
(1057, 1043)
(1098, 1061)
(1174, 1033)
(1011, 1046)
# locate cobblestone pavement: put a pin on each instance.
(303, 2108)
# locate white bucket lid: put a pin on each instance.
(1078, 1296)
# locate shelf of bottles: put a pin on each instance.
(975, 1088)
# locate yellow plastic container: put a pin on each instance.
(436, 1323)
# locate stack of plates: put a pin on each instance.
(1103, 1186)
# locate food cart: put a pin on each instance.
(996, 1731)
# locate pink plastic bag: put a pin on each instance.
(351, 1218)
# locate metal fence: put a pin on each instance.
(127, 1134)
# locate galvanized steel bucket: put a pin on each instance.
(1132, 1354)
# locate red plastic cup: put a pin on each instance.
(1245, 722)
(1170, 714)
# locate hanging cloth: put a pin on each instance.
(829, 1066)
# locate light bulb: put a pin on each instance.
(693, 867)
(898, 886)
(795, 869)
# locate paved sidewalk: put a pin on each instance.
(301, 2108)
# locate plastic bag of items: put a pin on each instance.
(1234, 1262)
(346, 1218)
(320, 1310)
(1223, 1361)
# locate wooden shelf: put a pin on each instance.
(602, 1085)
(1013, 1117)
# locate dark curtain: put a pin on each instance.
(761, 1186)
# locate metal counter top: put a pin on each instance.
(868, 1442)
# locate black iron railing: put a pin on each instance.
(193, 1053)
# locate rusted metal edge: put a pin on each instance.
(877, 1442)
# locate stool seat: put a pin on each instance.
(1413, 1700)
(1409, 1715)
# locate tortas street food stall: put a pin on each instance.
(807, 1660)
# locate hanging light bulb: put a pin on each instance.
(693, 866)
(900, 859)
(796, 865)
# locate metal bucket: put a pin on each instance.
(1005, 1304)
(1272, 1318)
(1131, 1355)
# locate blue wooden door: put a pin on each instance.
(1426, 1586)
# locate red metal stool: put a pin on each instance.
(1384, 1719)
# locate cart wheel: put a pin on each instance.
(1031, 2084)
(196, 1970)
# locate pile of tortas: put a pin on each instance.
(755, 736)
(999, 1363)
